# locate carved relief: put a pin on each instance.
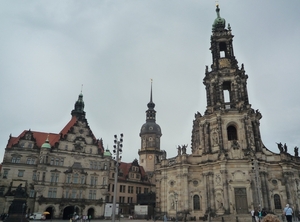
(235, 150)
(215, 137)
(218, 179)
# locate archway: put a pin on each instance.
(51, 211)
(69, 212)
(91, 212)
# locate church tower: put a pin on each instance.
(150, 134)
(230, 171)
(229, 125)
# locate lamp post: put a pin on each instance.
(117, 150)
(176, 201)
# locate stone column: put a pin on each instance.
(224, 174)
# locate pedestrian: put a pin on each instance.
(165, 218)
(256, 215)
(252, 215)
(260, 215)
(90, 217)
(288, 212)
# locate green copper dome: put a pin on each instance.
(219, 22)
(46, 144)
(107, 153)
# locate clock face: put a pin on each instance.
(150, 157)
(224, 63)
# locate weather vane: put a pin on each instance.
(81, 87)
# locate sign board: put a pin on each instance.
(109, 209)
(141, 210)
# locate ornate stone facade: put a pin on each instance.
(229, 171)
(68, 172)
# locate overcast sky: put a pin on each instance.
(48, 49)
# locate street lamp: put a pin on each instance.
(176, 201)
(117, 150)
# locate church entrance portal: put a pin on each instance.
(241, 200)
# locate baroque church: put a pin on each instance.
(229, 171)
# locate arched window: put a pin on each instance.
(231, 133)
(196, 202)
(277, 201)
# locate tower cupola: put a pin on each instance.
(78, 110)
(151, 126)
(219, 22)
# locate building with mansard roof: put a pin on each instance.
(229, 171)
(68, 172)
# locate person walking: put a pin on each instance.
(288, 212)
(252, 215)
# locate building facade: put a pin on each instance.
(229, 171)
(62, 173)
(69, 172)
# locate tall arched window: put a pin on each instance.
(231, 133)
(196, 202)
(277, 201)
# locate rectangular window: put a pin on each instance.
(74, 194)
(130, 189)
(21, 173)
(121, 199)
(146, 190)
(52, 178)
(68, 179)
(15, 159)
(52, 193)
(5, 174)
(94, 180)
(82, 179)
(92, 194)
(67, 193)
(129, 199)
(75, 178)
(104, 181)
(31, 193)
(122, 188)
(56, 177)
